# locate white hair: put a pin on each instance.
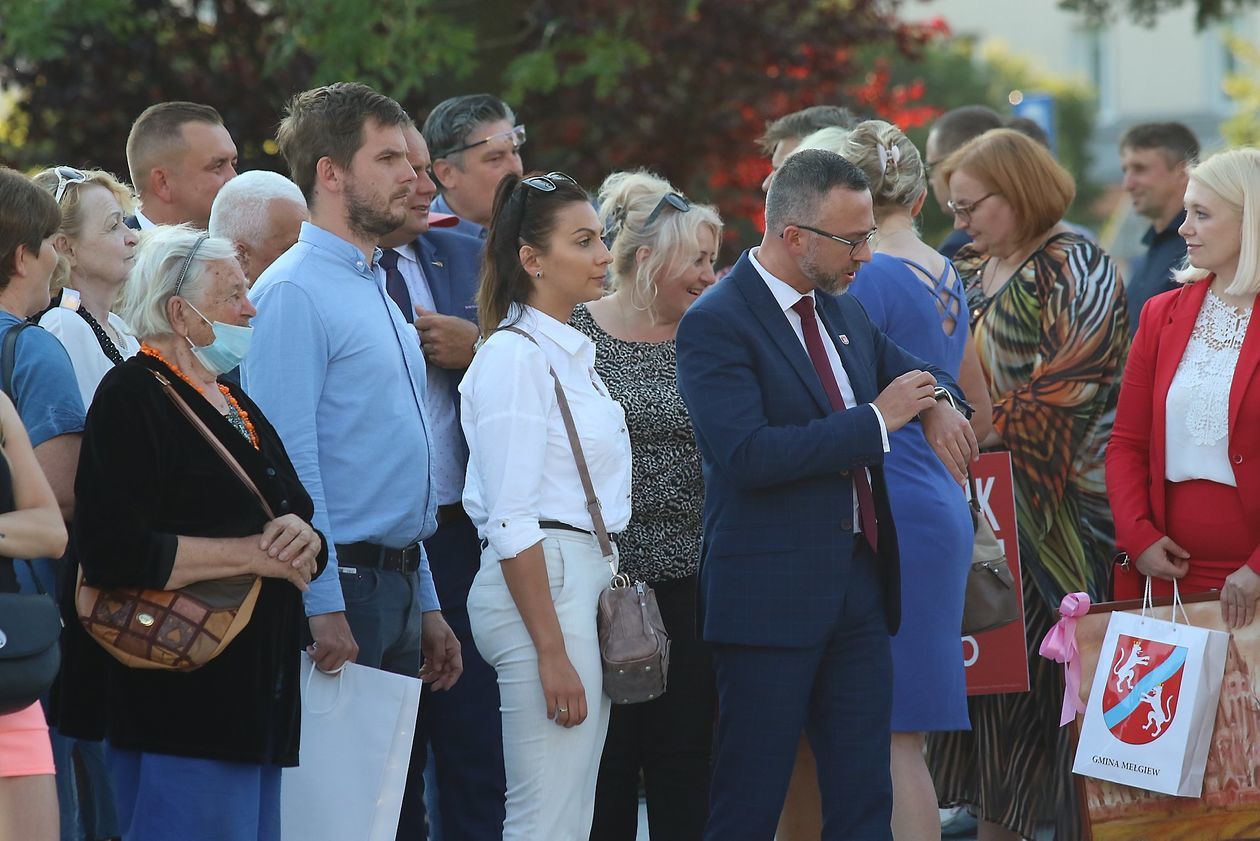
(159, 261)
(240, 210)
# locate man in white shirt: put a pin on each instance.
(793, 392)
(180, 154)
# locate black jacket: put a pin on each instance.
(145, 476)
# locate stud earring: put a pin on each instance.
(537, 274)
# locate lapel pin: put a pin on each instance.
(844, 340)
(439, 264)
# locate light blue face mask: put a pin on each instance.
(230, 345)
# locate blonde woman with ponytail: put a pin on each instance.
(916, 296)
(663, 248)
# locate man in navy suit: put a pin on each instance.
(793, 393)
(432, 275)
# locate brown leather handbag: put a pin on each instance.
(182, 629)
(633, 643)
(992, 598)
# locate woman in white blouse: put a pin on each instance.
(533, 603)
(1183, 465)
(95, 252)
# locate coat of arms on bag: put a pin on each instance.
(1140, 699)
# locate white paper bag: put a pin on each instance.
(357, 728)
(1152, 704)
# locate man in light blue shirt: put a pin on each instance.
(475, 141)
(340, 374)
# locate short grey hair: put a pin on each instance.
(449, 124)
(160, 258)
(801, 184)
(240, 210)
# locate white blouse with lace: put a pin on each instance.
(1197, 410)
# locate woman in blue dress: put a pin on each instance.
(915, 295)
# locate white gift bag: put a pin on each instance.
(1152, 704)
(357, 727)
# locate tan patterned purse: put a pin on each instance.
(180, 629)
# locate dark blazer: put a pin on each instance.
(778, 522)
(1136, 455)
(132, 222)
(452, 266)
(146, 476)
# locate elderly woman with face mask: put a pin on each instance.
(197, 754)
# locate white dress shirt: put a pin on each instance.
(786, 297)
(1196, 434)
(520, 467)
(89, 360)
(145, 223)
(444, 435)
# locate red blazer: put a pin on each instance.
(1135, 454)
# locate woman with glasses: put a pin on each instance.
(532, 605)
(916, 297)
(95, 253)
(1048, 316)
(663, 249)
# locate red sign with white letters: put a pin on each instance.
(997, 660)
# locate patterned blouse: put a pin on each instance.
(662, 541)
(1052, 341)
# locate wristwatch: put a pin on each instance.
(942, 393)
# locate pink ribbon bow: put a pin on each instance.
(1060, 646)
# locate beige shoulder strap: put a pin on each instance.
(579, 458)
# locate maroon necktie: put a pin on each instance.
(822, 366)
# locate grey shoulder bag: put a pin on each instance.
(632, 640)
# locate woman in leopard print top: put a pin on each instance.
(663, 251)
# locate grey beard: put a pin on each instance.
(832, 284)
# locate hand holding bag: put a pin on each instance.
(992, 600)
(357, 727)
(179, 629)
(632, 640)
(1152, 705)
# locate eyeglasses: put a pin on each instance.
(515, 136)
(964, 211)
(854, 244)
(546, 183)
(675, 200)
(67, 175)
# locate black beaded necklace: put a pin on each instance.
(107, 344)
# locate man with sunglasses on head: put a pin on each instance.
(475, 141)
(180, 154)
(793, 393)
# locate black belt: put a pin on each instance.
(362, 554)
(556, 524)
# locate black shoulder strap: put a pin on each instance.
(8, 357)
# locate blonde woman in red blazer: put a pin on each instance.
(1183, 465)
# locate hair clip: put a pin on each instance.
(888, 153)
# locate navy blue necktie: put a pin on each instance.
(396, 285)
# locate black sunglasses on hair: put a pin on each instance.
(675, 200)
(546, 183)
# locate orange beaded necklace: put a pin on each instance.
(149, 350)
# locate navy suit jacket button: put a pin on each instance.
(846, 524)
(844, 473)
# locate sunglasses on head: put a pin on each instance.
(514, 136)
(546, 183)
(67, 175)
(675, 200)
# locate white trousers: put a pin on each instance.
(551, 770)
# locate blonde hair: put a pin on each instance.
(1021, 171)
(891, 162)
(72, 210)
(1234, 175)
(160, 258)
(626, 200)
